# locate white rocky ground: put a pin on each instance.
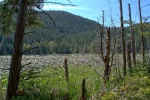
(40, 61)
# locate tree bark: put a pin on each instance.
(83, 95)
(66, 71)
(140, 14)
(123, 41)
(149, 56)
(107, 56)
(101, 37)
(129, 56)
(15, 66)
(106, 72)
(132, 37)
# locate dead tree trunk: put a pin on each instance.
(148, 55)
(129, 56)
(106, 50)
(141, 28)
(107, 56)
(66, 71)
(83, 95)
(123, 41)
(132, 37)
(15, 66)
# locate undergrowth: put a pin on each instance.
(50, 84)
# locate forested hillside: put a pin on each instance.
(69, 34)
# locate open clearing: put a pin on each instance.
(53, 60)
(56, 60)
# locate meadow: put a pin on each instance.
(45, 79)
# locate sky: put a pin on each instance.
(92, 9)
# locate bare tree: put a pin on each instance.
(106, 49)
(106, 59)
(141, 28)
(129, 56)
(123, 40)
(132, 37)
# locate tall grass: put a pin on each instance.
(50, 84)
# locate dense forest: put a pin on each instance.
(68, 34)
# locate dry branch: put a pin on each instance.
(29, 49)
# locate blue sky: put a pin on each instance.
(92, 9)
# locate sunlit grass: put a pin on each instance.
(52, 83)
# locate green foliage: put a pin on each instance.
(6, 17)
(72, 34)
(3, 85)
(133, 87)
(33, 21)
(8, 11)
(54, 86)
(109, 96)
(50, 84)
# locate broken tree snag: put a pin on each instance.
(132, 37)
(83, 95)
(129, 56)
(141, 28)
(66, 71)
(107, 56)
(122, 36)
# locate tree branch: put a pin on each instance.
(46, 14)
(26, 64)
(101, 38)
(58, 3)
(4, 69)
(29, 49)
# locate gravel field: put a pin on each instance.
(56, 60)
(40, 61)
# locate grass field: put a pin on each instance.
(50, 84)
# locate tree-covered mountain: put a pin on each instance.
(67, 34)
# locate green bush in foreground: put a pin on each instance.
(135, 87)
